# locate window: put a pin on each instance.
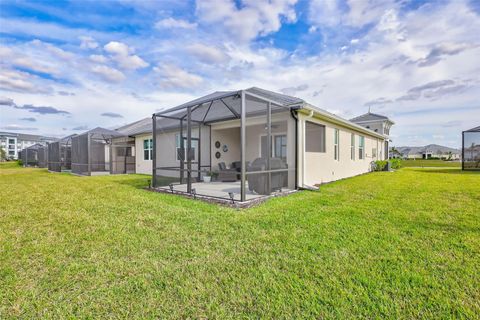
(314, 137)
(280, 146)
(179, 154)
(336, 150)
(11, 141)
(352, 146)
(361, 147)
(147, 149)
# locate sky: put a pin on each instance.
(69, 66)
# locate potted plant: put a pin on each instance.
(208, 177)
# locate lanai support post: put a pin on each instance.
(269, 144)
(154, 156)
(189, 147)
(242, 146)
(89, 163)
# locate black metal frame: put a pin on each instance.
(242, 116)
(474, 131)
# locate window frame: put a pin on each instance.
(194, 142)
(361, 147)
(336, 144)
(322, 147)
(352, 146)
(148, 151)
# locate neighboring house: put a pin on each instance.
(141, 132)
(377, 123)
(259, 143)
(428, 152)
(13, 143)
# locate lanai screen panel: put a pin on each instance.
(30, 156)
(270, 144)
(80, 154)
(471, 149)
(123, 155)
(99, 155)
(43, 157)
(54, 159)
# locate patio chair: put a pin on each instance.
(258, 182)
(226, 174)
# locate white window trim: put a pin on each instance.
(336, 145)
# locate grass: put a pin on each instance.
(396, 245)
(431, 163)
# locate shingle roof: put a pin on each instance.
(137, 127)
(369, 117)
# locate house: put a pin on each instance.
(141, 133)
(471, 149)
(377, 123)
(13, 143)
(259, 143)
(430, 151)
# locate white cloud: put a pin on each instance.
(175, 77)
(117, 48)
(57, 52)
(98, 58)
(18, 81)
(18, 127)
(121, 53)
(256, 17)
(208, 54)
(88, 42)
(171, 23)
(107, 73)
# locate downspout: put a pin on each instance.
(310, 115)
(294, 111)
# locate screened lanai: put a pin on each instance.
(60, 154)
(91, 152)
(235, 145)
(471, 149)
(42, 153)
(123, 155)
(30, 155)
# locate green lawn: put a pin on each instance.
(431, 163)
(383, 245)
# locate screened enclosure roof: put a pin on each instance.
(36, 146)
(277, 98)
(66, 139)
(102, 133)
(476, 129)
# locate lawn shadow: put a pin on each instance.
(445, 170)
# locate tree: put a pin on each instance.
(3, 155)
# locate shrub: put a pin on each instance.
(380, 165)
(396, 163)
